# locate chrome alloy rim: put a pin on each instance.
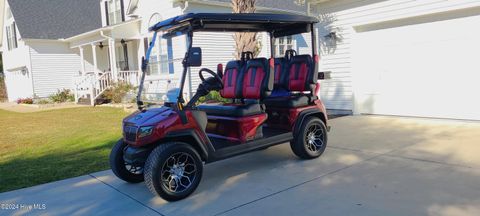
(137, 170)
(314, 138)
(178, 172)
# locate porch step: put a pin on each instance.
(84, 100)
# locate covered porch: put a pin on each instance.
(106, 56)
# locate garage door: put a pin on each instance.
(427, 69)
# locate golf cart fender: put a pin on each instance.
(191, 137)
(302, 117)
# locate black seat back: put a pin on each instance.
(230, 79)
(300, 72)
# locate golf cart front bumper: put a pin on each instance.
(136, 155)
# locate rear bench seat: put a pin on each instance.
(250, 82)
(293, 77)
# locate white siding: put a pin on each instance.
(217, 48)
(356, 15)
(18, 84)
(53, 66)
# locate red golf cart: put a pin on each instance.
(272, 101)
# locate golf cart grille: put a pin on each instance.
(130, 133)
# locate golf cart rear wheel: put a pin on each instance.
(173, 171)
(123, 170)
(311, 140)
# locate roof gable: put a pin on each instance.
(55, 19)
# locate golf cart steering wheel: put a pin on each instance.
(217, 78)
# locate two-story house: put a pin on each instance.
(36, 60)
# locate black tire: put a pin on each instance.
(120, 168)
(160, 172)
(301, 145)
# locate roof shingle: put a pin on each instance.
(55, 19)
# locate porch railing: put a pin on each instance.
(92, 86)
(130, 77)
(101, 84)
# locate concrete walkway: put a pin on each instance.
(374, 165)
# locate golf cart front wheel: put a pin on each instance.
(173, 171)
(123, 170)
(311, 140)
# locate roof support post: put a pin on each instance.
(95, 64)
(82, 60)
(113, 58)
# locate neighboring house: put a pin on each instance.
(36, 62)
(86, 45)
(403, 57)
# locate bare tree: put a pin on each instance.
(244, 41)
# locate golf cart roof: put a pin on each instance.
(279, 24)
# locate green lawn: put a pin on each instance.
(41, 147)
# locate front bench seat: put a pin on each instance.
(253, 83)
(231, 109)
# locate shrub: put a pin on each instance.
(3, 89)
(62, 96)
(213, 97)
(25, 101)
(43, 101)
(118, 92)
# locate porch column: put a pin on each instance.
(82, 61)
(113, 58)
(95, 65)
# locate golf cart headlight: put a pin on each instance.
(145, 131)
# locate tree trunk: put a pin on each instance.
(244, 41)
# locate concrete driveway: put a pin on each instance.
(374, 165)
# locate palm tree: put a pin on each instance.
(244, 41)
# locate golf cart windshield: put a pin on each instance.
(162, 77)
(162, 72)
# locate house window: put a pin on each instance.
(11, 36)
(282, 44)
(114, 10)
(161, 56)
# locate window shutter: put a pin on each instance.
(14, 36)
(106, 13)
(122, 10)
